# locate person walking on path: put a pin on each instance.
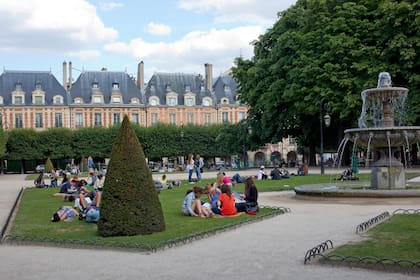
(190, 168)
(199, 163)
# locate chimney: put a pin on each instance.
(209, 76)
(70, 75)
(140, 76)
(65, 74)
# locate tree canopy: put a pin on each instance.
(332, 49)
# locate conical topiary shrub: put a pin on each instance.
(48, 166)
(130, 204)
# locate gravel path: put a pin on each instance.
(271, 249)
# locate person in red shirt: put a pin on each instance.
(226, 202)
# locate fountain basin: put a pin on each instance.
(359, 189)
(384, 137)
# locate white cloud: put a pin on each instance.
(85, 55)
(254, 11)
(51, 25)
(158, 29)
(107, 6)
(218, 47)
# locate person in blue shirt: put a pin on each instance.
(192, 204)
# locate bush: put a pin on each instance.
(48, 166)
(130, 204)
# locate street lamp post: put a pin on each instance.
(245, 154)
(182, 145)
(323, 106)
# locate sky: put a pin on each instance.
(177, 36)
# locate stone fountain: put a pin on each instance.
(382, 130)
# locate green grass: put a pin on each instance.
(396, 238)
(32, 222)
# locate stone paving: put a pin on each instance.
(271, 249)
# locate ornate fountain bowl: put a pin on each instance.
(384, 137)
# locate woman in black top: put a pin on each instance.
(251, 192)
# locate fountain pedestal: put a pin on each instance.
(387, 173)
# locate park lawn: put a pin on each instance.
(33, 223)
(396, 238)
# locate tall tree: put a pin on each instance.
(130, 203)
(332, 49)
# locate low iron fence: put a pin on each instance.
(371, 222)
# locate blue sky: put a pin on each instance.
(168, 36)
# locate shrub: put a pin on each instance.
(130, 204)
(48, 166)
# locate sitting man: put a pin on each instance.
(261, 173)
(284, 172)
(347, 175)
(275, 173)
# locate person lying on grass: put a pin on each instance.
(192, 204)
(64, 213)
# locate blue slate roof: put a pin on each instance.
(225, 86)
(105, 79)
(28, 81)
(162, 83)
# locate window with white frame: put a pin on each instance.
(207, 119)
(18, 120)
(78, 100)
(225, 117)
(135, 100)
(97, 98)
(78, 119)
(58, 120)
(241, 116)
(154, 118)
(39, 123)
(171, 100)
(153, 101)
(116, 118)
(116, 98)
(38, 99)
(58, 99)
(189, 101)
(115, 86)
(172, 118)
(207, 101)
(18, 100)
(95, 85)
(135, 118)
(97, 119)
(190, 118)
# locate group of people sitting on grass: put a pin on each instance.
(221, 199)
(275, 174)
(86, 202)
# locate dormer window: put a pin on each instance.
(227, 88)
(172, 99)
(18, 87)
(116, 99)
(58, 99)
(95, 85)
(187, 88)
(135, 100)
(225, 101)
(38, 86)
(18, 100)
(189, 99)
(207, 101)
(115, 86)
(97, 99)
(38, 100)
(78, 100)
(153, 101)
